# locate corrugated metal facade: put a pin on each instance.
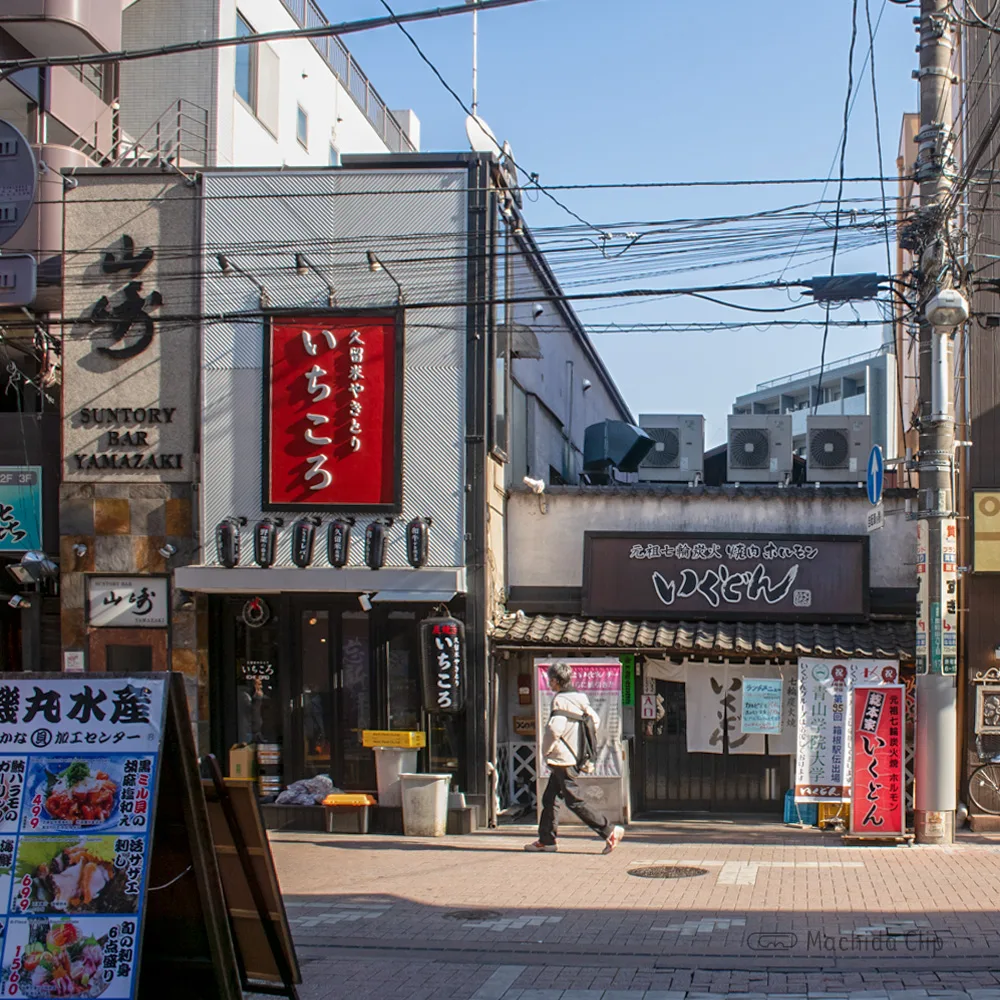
(416, 221)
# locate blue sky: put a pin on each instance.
(588, 91)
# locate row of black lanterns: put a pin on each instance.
(338, 541)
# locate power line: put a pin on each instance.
(8, 66)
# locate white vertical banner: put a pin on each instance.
(821, 767)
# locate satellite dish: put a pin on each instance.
(481, 138)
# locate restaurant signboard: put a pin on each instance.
(734, 577)
(878, 785)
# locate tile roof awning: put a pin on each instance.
(885, 639)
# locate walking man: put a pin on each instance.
(561, 750)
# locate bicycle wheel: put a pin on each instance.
(984, 788)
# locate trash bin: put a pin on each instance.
(425, 804)
(389, 763)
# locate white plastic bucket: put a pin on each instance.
(425, 804)
(389, 763)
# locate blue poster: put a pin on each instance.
(762, 705)
(20, 508)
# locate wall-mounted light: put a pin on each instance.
(376, 543)
(365, 600)
(375, 265)
(265, 541)
(537, 309)
(338, 542)
(303, 265)
(229, 268)
(167, 550)
(304, 540)
(79, 550)
(19, 602)
(227, 541)
(185, 601)
(34, 567)
(418, 541)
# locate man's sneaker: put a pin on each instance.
(614, 840)
(539, 847)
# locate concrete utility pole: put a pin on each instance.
(936, 722)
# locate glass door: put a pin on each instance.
(315, 699)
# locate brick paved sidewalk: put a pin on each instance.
(774, 910)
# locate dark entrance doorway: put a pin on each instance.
(674, 779)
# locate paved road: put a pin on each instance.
(766, 910)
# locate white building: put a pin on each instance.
(861, 384)
(299, 102)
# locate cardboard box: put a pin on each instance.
(242, 760)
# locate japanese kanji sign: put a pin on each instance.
(821, 765)
(79, 763)
(333, 412)
(444, 664)
(878, 786)
(128, 601)
(20, 508)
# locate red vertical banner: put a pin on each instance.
(878, 790)
(333, 412)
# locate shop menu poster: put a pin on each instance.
(601, 681)
(78, 771)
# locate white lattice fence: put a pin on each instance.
(516, 762)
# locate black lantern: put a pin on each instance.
(376, 541)
(265, 541)
(338, 542)
(303, 540)
(417, 540)
(442, 660)
(227, 541)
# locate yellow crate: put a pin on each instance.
(348, 799)
(834, 810)
(398, 738)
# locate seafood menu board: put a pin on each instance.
(78, 771)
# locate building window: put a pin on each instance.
(246, 64)
(334, 160)
(302, 127)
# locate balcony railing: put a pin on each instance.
(854, 359)
(308, 15)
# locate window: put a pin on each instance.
(334, 160)
(246, 64)
(302, 127)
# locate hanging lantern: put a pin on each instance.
(303, 541)
(265, 541)
(227, 541)
(376, 541)
(338, 542)
(417, 541)
(442, 660)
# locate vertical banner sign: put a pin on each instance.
(821, 758)
(761, 705)
(333, 412)
(600, 680)
(878, 786)
(20, 508)
(923, 596)
(949, 599)
(628, 680)
(78, 776)
(442, 647)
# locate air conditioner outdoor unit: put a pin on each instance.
(759, 448)
(837, 448)
(678, 454)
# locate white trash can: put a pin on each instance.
(390, 762)
(425, 804)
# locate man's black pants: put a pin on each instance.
(562, 784)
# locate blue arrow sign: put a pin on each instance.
(876, 475)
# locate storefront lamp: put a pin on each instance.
(338, 542)
(376, 542)
(375, 265)
(227, 541)
(167, 550)
(19, 603)
(417, 541)
(33, 567)
(265, 541)
(304, 540)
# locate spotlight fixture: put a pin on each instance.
(375, 265)
(167, 550)
(365, 600)
(33, 567)
(303, 265)
(229, 268)
(19, 602)
(185, 601)
(79, 550)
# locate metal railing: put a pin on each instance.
(307, 14)
(831, 366)
(178, 138)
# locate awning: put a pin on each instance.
(889, 640)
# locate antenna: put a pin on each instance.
(475, 57)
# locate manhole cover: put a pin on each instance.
(473, 915)
(667, 871)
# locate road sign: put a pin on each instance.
(18, 176)
(18, 279)
(876, 518)
(876, 475)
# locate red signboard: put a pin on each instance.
(878, 795)
(333, 412)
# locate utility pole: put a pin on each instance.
(936, 722)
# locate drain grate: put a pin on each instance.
(472, 916)
(667, 871)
